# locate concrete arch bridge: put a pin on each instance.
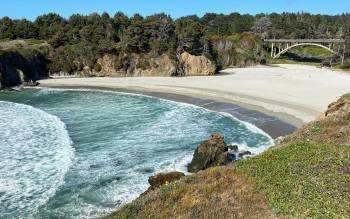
(281, 46)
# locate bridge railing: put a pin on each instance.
(305, 40)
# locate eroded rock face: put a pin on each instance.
(139, 65)
(212, 152)
(196, 65)
(338, 108)
(153, 66)
(16, 69)
(108, 64)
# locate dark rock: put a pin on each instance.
(233, 147)
(244, 153)
(212, 152)
(31, 83)
(16, 69)
(162, 178)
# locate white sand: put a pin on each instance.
(302, 92)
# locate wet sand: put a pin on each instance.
(275, 99)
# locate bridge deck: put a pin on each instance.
(305, 40)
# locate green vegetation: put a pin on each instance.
(307, 180)
(290, 61)
(34, 41)
(347, 96)
(311, 52)
(228, 40)
(313, 56)
(306, 175)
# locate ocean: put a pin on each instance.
(84, 153)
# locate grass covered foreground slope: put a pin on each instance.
(306, 175)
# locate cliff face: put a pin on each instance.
(150, 65)
(147, 65)
(137, 65)
(196, 65)
(28, 60)
(17, 68)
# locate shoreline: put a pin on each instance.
(270, 124)
(294, 94)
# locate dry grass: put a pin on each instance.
(216, 193)
(23, 44)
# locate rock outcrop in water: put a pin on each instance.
(215, 152)
(212, 152)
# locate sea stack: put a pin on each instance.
(211, 152)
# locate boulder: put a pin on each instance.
(162, 178)
(196, 65)
(212, 152)
(243, 154)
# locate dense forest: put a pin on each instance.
(160, 32)
(79, 43)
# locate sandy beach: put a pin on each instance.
(296, 94)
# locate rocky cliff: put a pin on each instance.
(20, 65)
(21, 68)
(23, 60)
(150, 65)
(196, 65)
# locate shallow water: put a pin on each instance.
(118, 141)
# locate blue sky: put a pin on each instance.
(30, 9)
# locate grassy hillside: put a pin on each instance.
(23, 44)
(307, 175)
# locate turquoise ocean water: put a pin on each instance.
(84, 153)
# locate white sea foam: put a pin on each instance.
(263, 146)
(242, 145)
(36, 153)
(252, 127)
(145, 143)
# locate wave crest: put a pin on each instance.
(36, 154)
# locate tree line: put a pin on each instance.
(160, 31)
(93, 34)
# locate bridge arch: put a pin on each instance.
(303, 44)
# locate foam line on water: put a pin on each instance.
(36, 154)
(250, 126)
(141, 137)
